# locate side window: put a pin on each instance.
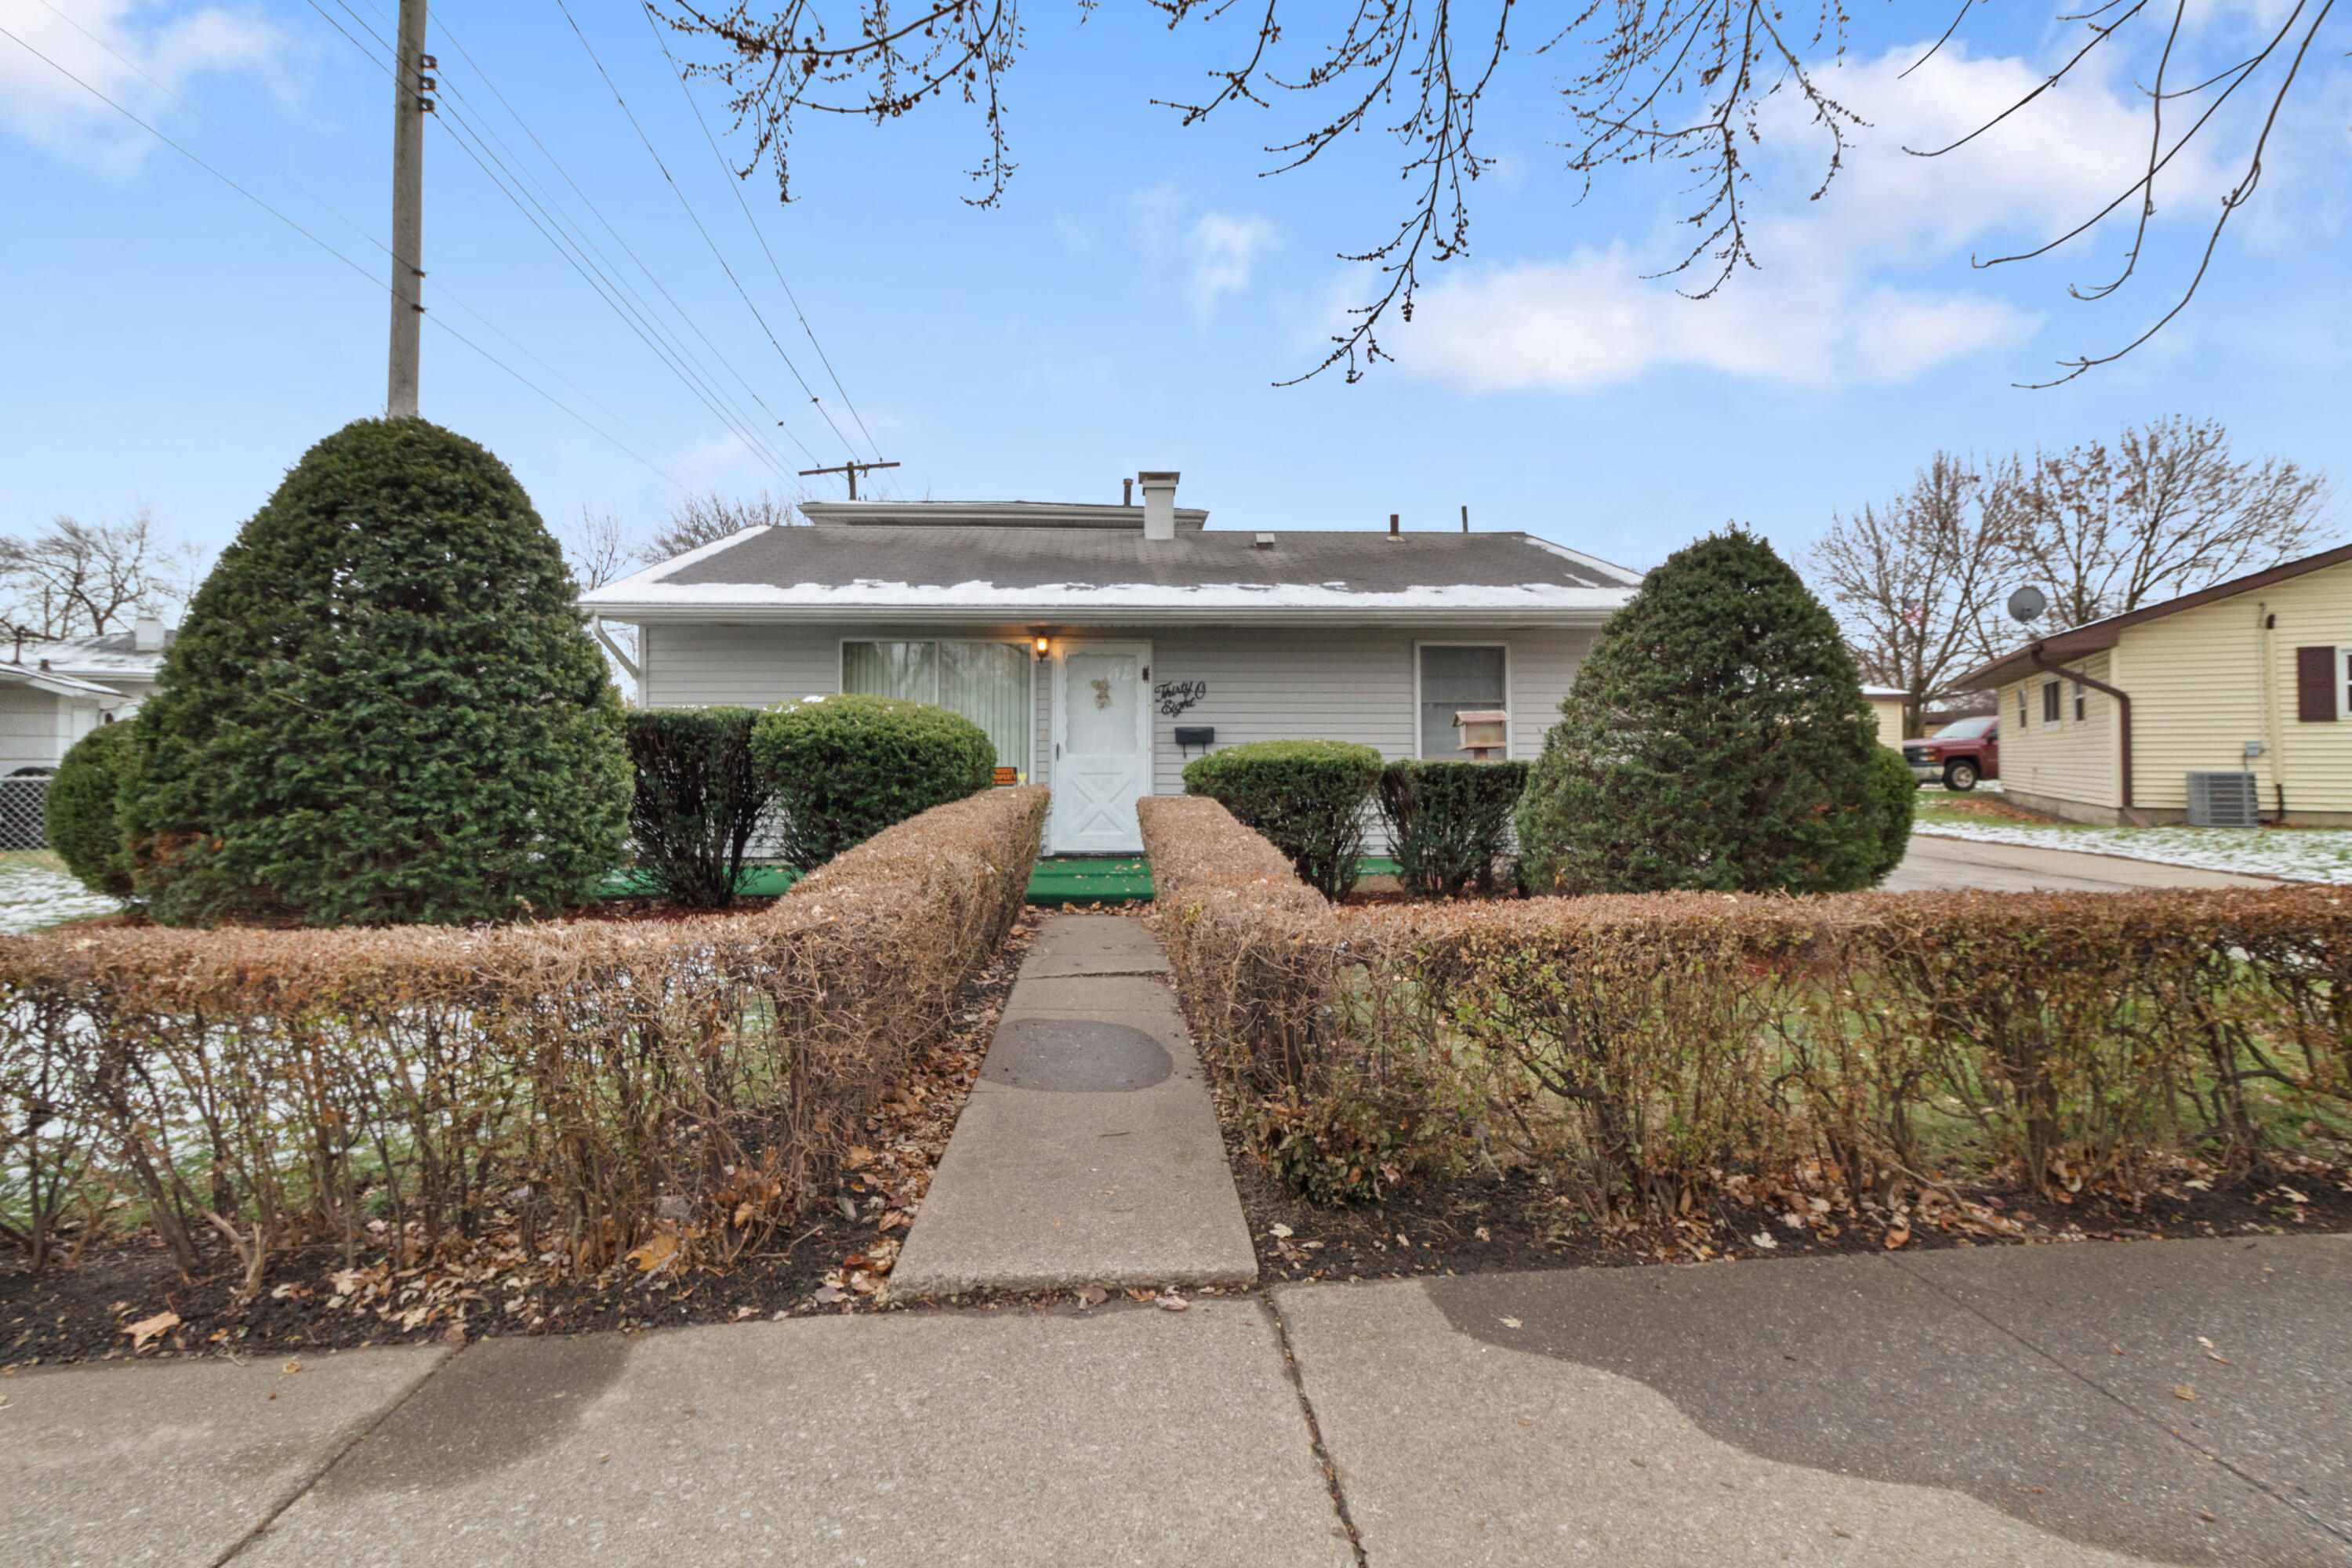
(2081, 703)
(2049, 703)
(2021, 705)
(1454, 678)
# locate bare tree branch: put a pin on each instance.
(1680, 82)
(706, 519)
(2167, 510)
(80, 579)
(1916, 584)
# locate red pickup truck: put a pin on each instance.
(1958, 754)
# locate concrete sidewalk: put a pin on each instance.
(1089, 1153)
(1956, 863)
(2001, 1405)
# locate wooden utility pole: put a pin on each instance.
(852, 469)
(410, 105)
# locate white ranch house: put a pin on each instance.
(54, 693)
(1103, 646)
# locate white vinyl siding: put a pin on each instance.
(1345, 683)
(36, 727)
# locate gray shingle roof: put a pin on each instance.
(1070, 569)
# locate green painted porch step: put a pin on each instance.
(1058, 879)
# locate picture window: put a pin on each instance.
(986, 682)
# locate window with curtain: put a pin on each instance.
(987, 682)
(1452, 678)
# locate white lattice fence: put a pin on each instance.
(20, 813)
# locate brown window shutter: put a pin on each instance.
(2315, 685)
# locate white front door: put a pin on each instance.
(1102, 747)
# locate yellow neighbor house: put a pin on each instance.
(2247, 684)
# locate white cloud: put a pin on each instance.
(171, 45)
(1837, 301)
(1594, 322)
(1224, 249)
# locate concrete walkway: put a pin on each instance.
(1958, 863)
(1089, 1153)
(2095, 1404)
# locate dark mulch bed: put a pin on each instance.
(1480, 1226)
(85, 1313)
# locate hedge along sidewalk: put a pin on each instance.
(1644, 1049)
(580, 1091)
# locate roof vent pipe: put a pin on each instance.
(1158, 503)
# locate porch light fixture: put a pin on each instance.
(1043, 644)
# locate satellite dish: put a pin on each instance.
(2027, 603)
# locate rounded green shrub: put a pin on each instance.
(1715, 739)
(1895, 794)
(698, 800)
(1306, 796)
(81, 813)
(844, 768)
(382, 706)
(1450, 823)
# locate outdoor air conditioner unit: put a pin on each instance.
(2224, 800)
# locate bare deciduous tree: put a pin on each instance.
(78, 579)
(2167, 510)
(598, 548)
(1916, 583)
(706, 519)
(1679, 81)
(1920, 585)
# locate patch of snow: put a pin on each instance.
(35, 896)
(2300, 854)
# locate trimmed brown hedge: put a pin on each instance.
(390, 1090)
(1642, 1047)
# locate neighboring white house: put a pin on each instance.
(54, 693)
(2248, 683)
(1104, 647)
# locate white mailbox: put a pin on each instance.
(1485, 732)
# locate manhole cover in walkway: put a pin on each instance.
(1075, 1054)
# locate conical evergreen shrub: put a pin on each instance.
(1716, 739)
(381, 706)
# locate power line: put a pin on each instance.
(322, 244)
(520, 171)
(735, 186)
(697, 219)
(332, 211)
(675, 356)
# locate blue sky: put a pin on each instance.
(1133, 300)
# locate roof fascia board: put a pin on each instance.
(2105, 634)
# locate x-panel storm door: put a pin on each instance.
(1102, 746)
